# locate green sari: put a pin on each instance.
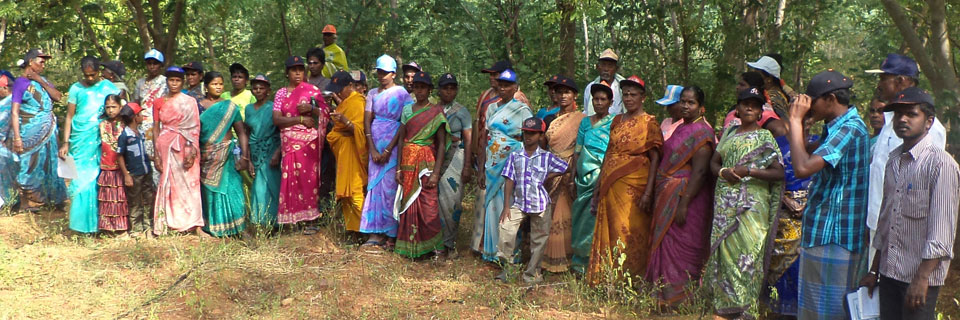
(264, 141)
(744, 217)
(592, 140)
(222, 189)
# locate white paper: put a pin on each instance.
(66, 168)
(869, 306)
(853, 301)
(862, 306)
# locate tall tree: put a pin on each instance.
(158, 29)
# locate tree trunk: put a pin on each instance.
(3, 32)
(140, 20)
(85, 25)
(586, 46)
(568, 58)
(283, 27)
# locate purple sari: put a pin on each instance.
(382, 184)
(680, 251)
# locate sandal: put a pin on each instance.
(310, 230)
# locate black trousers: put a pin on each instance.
(893, 293)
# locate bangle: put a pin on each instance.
(748, 171)
(300, 120)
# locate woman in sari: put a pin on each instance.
(592, 138)
(683, 205)
(177, 146)
(561, 140)
(503, 120)
(424, 131)
(457, 162)
(7, 171)
(264, 155)
(382, 120)
(81, 138)
(33, 131)
(223, 201)
(748, 163)
(348, 143)
(623, 199)
(300, 112)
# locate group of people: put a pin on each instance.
(751, 205)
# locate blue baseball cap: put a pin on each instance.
(896, 64)
(387, 63)
(909, 96)
(508, 75)
(671, 96)
(174, 71)
(153, 54)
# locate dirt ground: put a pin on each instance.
(47, 271)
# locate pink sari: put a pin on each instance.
(178, 205)
(300, 166)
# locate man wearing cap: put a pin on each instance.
(918, 217)
(669, 100)
(240, 95)
(897, 73)
(147, 92)
(770, 68)
(502, 120)
(336, 59)
(317, 65)
(194, 80)
(833, 243)
(347, 139)
(409, 70)
(607, 66)
(114, 71)
(33, 128)
(457, 169)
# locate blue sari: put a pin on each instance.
(503, 122)
(85, 150)
(36, 167)
(8, 177)
(592, 140)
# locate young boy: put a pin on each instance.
(136, 169)
(526, 170)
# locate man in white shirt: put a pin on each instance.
(607, 66)
(897, 73)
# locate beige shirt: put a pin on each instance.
(918, 217)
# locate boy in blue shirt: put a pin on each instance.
(136, 169)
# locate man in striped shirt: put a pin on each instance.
(833, 255)
(918, 216)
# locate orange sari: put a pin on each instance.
(621, 226)
(562, 140)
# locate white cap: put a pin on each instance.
(767, 64)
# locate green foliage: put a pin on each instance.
(705, 42)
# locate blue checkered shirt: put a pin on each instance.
(836, 210)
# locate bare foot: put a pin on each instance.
(201, 234)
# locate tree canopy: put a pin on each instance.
(704, 42)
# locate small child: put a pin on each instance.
(111, 196)
(137, 171)
(526, 170)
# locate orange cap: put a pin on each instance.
(329, 29)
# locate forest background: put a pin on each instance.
(50, 272)
(701, 42)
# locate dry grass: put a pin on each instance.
(48, 271)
